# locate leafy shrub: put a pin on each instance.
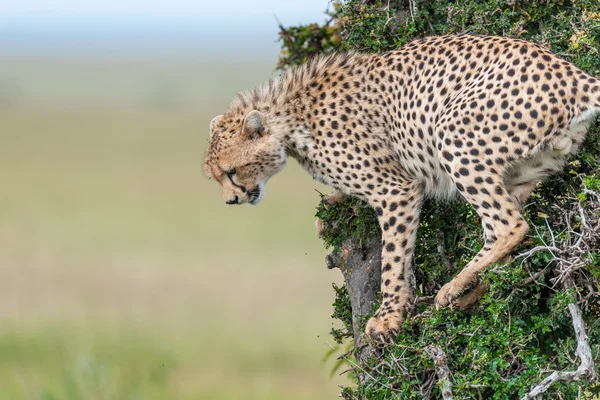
(522, 328)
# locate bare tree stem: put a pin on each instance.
(441, 369)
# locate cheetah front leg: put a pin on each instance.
(398, 214)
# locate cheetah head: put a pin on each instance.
(243, 153)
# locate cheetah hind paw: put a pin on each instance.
(454, 289)
(334, 197)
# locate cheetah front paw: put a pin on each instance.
(384, 326)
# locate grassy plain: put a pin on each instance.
(123, 275)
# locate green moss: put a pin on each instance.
(342, 311)
(352, 218)
(299, 43)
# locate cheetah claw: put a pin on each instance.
(447, 294)
(385, 328)
(454, 290)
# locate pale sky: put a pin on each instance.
(137, 8)
(97, 26)
(23, 10)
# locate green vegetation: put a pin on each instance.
(522, 328)
(360, 221)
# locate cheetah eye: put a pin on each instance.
(230, 172)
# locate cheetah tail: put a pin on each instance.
(595, 90)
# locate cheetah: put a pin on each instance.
(482, 117)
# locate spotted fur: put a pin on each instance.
(483, 117)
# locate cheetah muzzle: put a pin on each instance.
(486, 118)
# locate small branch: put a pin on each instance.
(413, 7)
(584, 352)
(355, 365)
(533, 277)
(573, 255)
(450, 266)
(283, 31)
(441, 369)
(531, 252)
(429, 300)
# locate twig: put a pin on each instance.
(533, 277)
(355, 365)
(412, 5)
(584, 352)
(281, 28)
(429, 300)
(441, 369)
(574, 255)
(531, 252)
(443, 253)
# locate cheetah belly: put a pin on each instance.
(439, 185)
(548, 157)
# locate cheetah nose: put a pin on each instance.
(233, 201)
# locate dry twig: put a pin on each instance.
(584, 352)
(570, 256)
(441, 369)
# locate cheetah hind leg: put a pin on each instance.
(504, 228)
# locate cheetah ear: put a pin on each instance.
(254, 125)
(214, 123)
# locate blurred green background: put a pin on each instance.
(123, 275)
